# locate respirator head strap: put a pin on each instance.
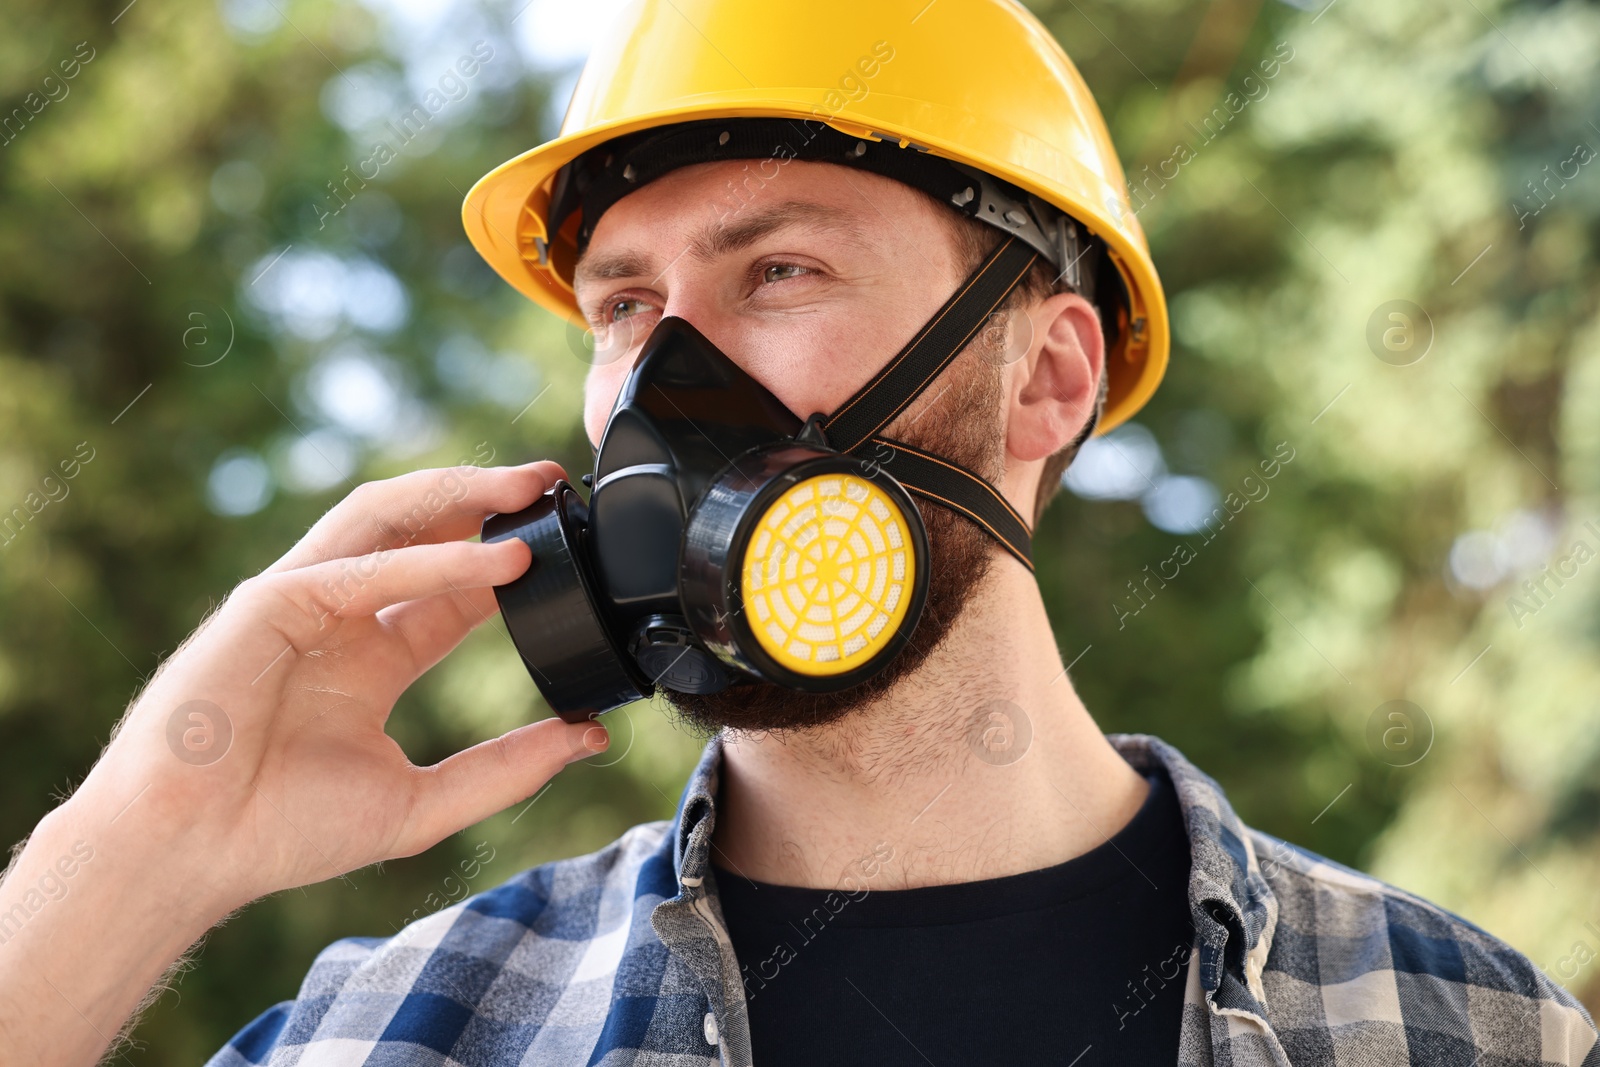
(855, 426)
(955, 487)
(940, 340)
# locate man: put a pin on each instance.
(947, 862)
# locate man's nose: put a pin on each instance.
(700, 309)
(706, 312)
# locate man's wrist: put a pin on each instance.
(91, 918)
(152, 864)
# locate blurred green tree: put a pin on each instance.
(221, 306)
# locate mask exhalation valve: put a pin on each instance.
(666, 650)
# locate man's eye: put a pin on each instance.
(623, 309)
(779, 271)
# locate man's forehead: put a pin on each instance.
(706, 231)
(631, 249)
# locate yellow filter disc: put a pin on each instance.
(828, 575)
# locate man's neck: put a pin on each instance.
(982, 763)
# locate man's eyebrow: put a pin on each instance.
(720, 237)
(626, 264)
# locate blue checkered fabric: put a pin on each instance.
(622, 957)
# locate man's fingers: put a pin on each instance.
(490, 777)
(306, 603)
(423, 507)
(432, 627)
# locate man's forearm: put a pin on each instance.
(90, 919)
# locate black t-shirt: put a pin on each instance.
(1079, 964)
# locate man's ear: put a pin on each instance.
(1053, 389)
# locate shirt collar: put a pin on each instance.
(691, 845)
(1233, 909)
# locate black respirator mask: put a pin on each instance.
(727, 542)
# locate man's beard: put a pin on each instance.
(963, 424)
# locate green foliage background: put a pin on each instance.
(1386, 160)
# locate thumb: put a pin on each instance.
(491, 776)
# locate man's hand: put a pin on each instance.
(303, 664)
(256, 758)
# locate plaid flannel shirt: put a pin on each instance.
(622, 957)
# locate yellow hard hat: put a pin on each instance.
(979, 82)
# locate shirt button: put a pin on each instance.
(711, 1028)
